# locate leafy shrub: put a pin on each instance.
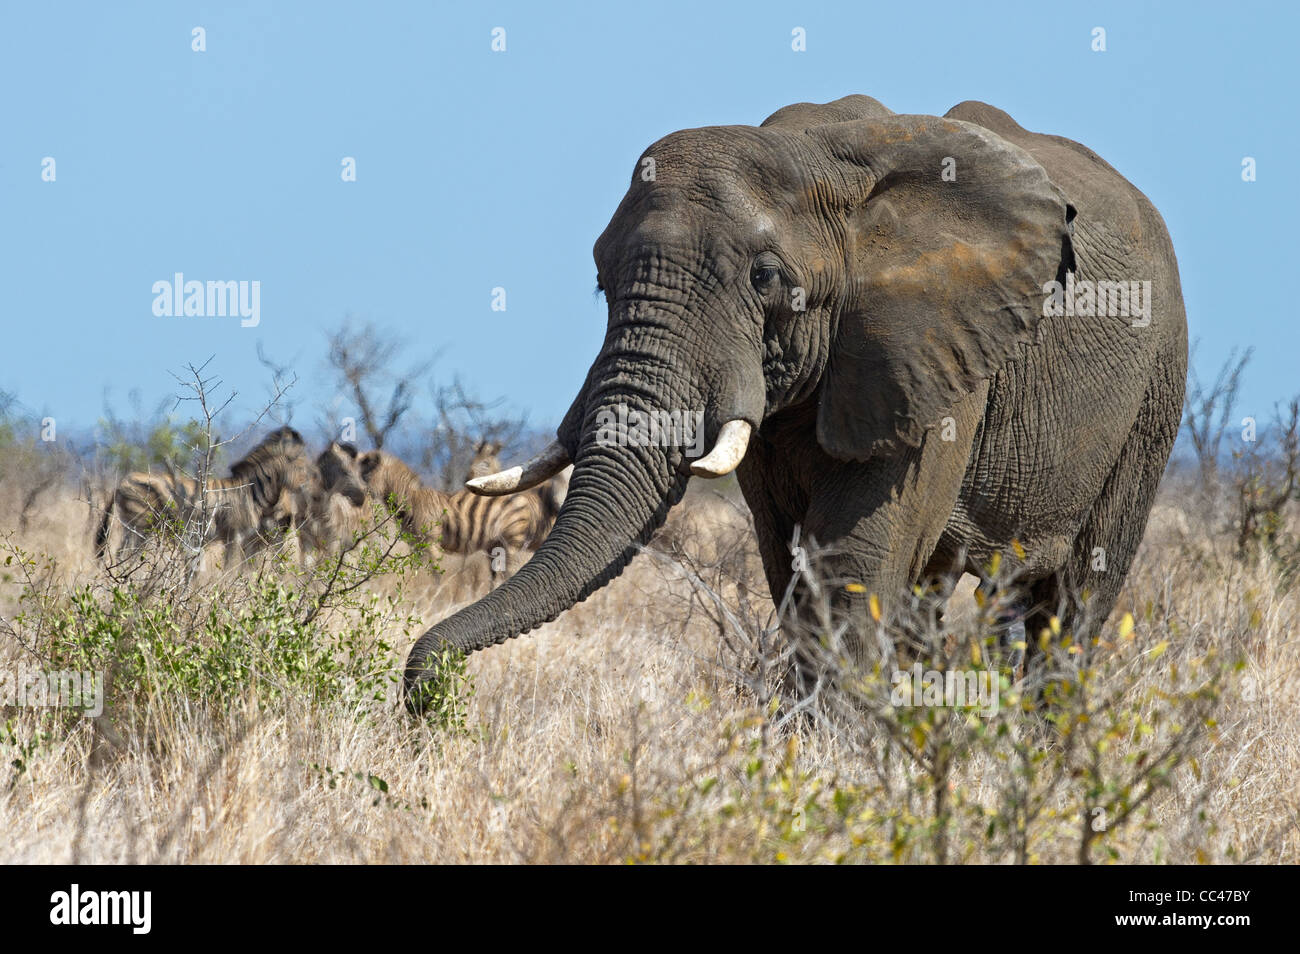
(286, 634)
(253, 644)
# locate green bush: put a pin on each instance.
(251, 644)
(282, 635)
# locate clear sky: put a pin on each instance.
(477, 169)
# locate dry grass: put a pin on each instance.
(631, 729)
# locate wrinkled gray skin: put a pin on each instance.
(924, 310)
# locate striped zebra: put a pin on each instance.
(333, 505)
(239, 510)
(462, 522)
(486, 460)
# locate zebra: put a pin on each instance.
(240, 510)
(332, 507)
(486, 460)
(463, 522)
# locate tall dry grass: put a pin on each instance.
(643, 725)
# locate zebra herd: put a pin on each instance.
(278, 491)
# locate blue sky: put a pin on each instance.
(478, 169)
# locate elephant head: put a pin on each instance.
(864, 268)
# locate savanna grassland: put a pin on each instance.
(254, 716)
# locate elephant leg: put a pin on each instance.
(777, 499)
(881, 523)
(1084, 592)
(774, 497)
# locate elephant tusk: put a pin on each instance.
(726, 455)
(528, 474)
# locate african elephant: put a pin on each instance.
(916, 339)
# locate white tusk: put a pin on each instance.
(528, 474)
(725, 457)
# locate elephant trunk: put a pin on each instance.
(622, 487)
(618, 497)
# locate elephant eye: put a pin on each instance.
(764, 275)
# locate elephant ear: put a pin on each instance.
(952, 233)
